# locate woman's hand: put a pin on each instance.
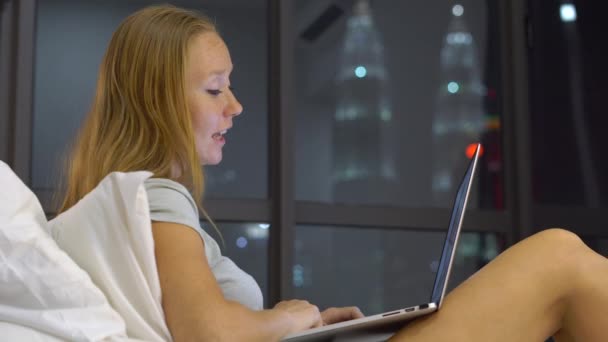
(301, 313)
(337, 315)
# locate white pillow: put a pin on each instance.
(40, 286)
(109, 234)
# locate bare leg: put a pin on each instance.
(548, 284)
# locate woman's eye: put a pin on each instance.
(214, 92)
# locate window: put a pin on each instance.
(379, 269)
(71, 39)
(567, 92)
(390, 95)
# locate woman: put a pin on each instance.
(164, 104)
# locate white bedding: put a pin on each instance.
(95, 279)
(109, 234)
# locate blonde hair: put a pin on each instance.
(139, 119)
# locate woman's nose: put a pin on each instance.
(234, 108)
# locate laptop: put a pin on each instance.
(382, 326)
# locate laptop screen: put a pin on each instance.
(447, 255)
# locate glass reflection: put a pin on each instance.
(388, 101)
(567, 102)
(363, 161)
(582, 137)
(459, 116)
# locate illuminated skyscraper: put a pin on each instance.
(363, 167)
(459, 115)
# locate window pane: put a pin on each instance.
(379, 269)
(247, 245)
(390, 94)
(567, 102)
(71, 39)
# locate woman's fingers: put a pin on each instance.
(303, 314)
(336, 315)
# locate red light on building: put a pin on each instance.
(470, 151)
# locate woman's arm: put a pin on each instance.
(195, 308)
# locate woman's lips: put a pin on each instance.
(219, 137)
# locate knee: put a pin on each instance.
(561, 245)
(565, 253)
(560, 237)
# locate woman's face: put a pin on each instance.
(210, 98)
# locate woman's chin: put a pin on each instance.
(209, 161)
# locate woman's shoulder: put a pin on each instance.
(168, 195)
(170, 201)
(154, 183)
